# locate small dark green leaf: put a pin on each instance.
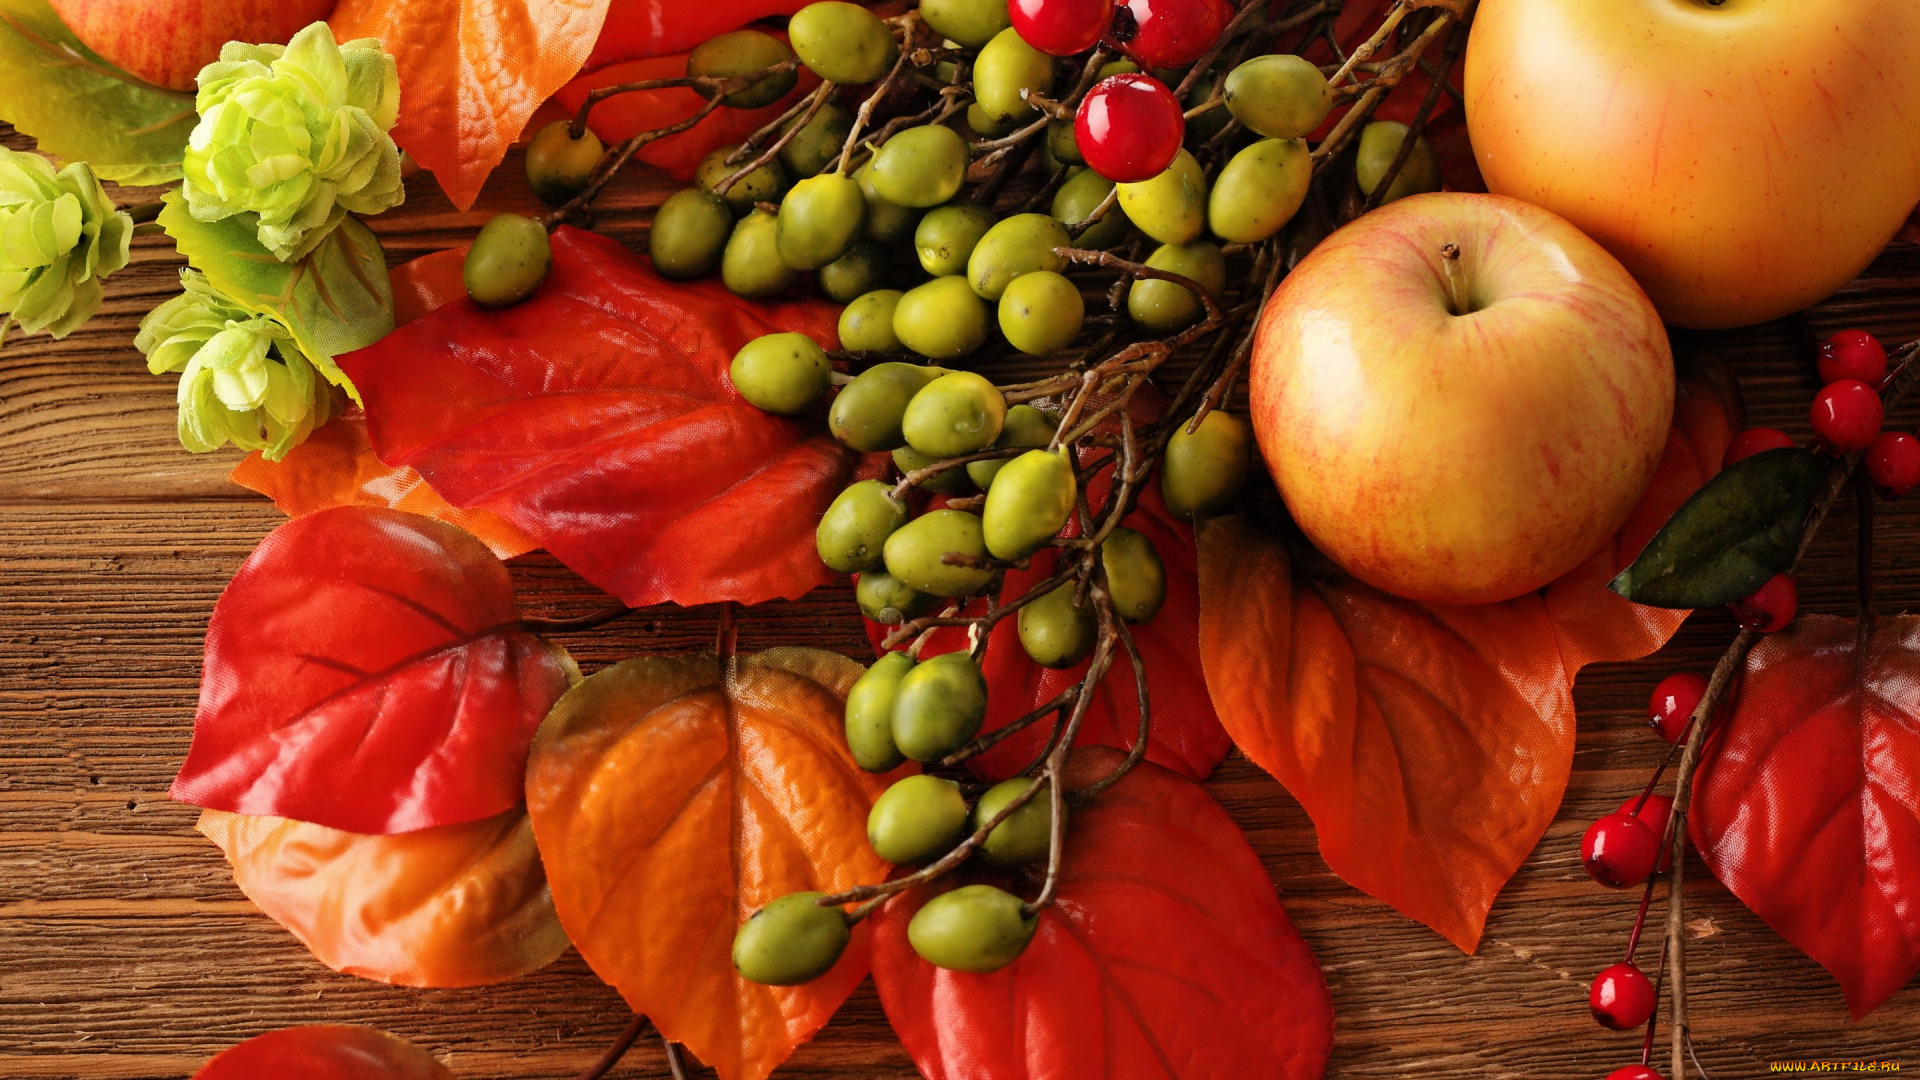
(1734, 534)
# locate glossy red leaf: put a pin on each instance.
(1807, 802)
(324, 1052)
(636, 29)
(422, 285)
(628, 114)
(1430, 744)
(597, 416)
(366, 670)
(1165, 955)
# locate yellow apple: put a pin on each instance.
(1744, 158)
(167, 42)
(1461, 397)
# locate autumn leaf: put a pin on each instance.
(637, 29)
(1166, 954)
(422, 285)
(1806, 805)
(625, 115)
(472, 72)
(455, 905)
(81, 108)
(366, 670)
(336, 466)
(324, 1052)
(674, 796)
(1430, 744)
(597, 416)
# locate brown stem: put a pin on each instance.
(720, 86)
(814, 102)
(674, 1064)
(1456, 280)
(615, 1052)
(1376, 92)
(1863, 569)
(615, 159)
(1456, 44)
(574, 625)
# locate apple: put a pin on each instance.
(167, 42)
(1461, 397)
(1744, 158)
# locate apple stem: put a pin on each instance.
(1456, 282)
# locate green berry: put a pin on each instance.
(1055, 631)
(785, 374)
(915, 553)
(1164, 307)
(917, 820)
(819, 220)
(866, 325)
(946, 237)
(1026, 834)
(1260, 190)
(743, 52)
(869, 713)
(509, 259)
(1029, 503)
(842, 43)
(764, 184)
(968, 23)
(1005, 67)
(940, 706)
(791, 941)
(864, 268)
(1063, 144)
(1019, 245)
(817, 145)
(887, 600)
(853, 531)
(1379, 144)
(921, 166)
(1203, 471)
(1281, 96)
(868, 412)
(943, 319)
(886, 222)
(987, 124)
(1077, 200)
(958, 413)
(1171, 207)
(559, 165)
(975, 928)
(751, 265)
(689, 234)
(947, 482)
(1136, 579)
(1025, 427)
(1041, 312)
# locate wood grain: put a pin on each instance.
(126, 952)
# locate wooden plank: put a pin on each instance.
(126, 952)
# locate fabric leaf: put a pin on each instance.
(456, 905)
(625, 115)
(1807, 802)
(1166, 955)
(324, 1052)
(366, 670)
(336, 466)
(597, 417)
(1430, 744)
(636, 29)
(674, 796)
(472, 72)
(80, 108)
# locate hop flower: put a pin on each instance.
(297, 135)
(243, 378)
(59, 235)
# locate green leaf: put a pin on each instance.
(82, 108)
(335, 300)
(1734, 534)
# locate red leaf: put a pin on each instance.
(1166, 955)
(597, 417)
(336, 467)
(1808, 799)
(628, 114)
(1430, 744)
(636, 29)
(365, 670)
(422, 285)
(472, 72)
(324, 1052)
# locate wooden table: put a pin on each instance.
(126, 951)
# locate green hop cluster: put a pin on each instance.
(59, 235)
(297, 135)
(243, 378)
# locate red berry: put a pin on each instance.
(1853, 354)
(1893, 463)
(1633, 1072)
(1622, 997)
(1754, 441)
(1173, 33)
(1620, 851)
(1061, 27)
(1847, 415)
(1770, 608)
(1673, 703)
(1654, 814)
(1129, 128)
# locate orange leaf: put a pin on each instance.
(1430, 744)
(629, 114)
(336, 466)
(673, 796)
(457, 905)
(472, 72)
